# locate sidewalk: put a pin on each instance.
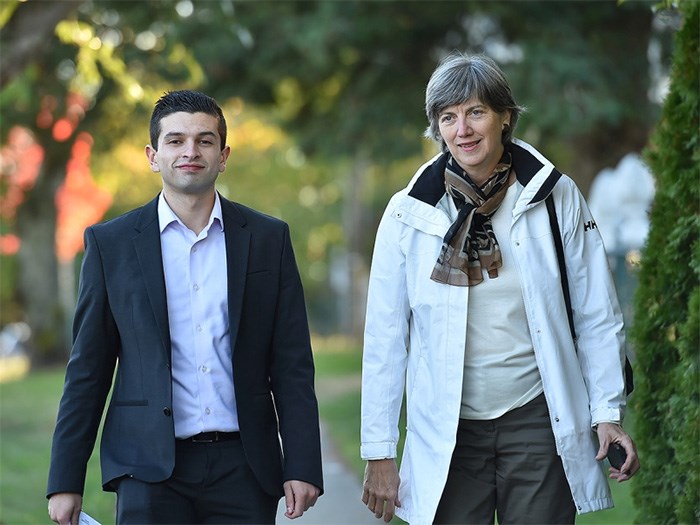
(340, 503)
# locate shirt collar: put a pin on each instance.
(166, 215)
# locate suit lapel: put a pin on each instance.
(237, 249)
(149, 255)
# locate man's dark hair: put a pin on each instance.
(189, 102)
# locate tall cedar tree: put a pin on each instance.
(667, 303)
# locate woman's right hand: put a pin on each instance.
(380, 491)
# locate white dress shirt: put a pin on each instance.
(196, 288)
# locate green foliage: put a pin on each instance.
(6, 9)
(345, 81)
(666, 331)
(351, 74)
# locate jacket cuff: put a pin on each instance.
(382, 450)
(606, 415)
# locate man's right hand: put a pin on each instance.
(64, 508)
(380, 491)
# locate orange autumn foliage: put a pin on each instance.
(79, 201)
(20, 161)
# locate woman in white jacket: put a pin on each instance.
(506, 414)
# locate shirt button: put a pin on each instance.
(199, 327)
(204, 369)
(207, 411)
(196, 287)
(167, 411)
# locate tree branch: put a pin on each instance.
(27, 34)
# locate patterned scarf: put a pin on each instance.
(470, 244)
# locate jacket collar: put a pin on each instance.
(533, 171)
(429, 186)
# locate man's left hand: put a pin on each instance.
(299, 497)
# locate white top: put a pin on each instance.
(500, 371)
(196, 288)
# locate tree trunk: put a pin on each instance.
(38, 287)
(352, 291)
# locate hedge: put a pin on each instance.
(666, 327)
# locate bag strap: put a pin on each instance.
(559, 245)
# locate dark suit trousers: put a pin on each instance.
(212, 483)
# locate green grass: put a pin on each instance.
(27, 417)
(338, 362)
(28, 412)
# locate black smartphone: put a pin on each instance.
(616, 455)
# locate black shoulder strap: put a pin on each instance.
(559, 245)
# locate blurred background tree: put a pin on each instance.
(326, 103)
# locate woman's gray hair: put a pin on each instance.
(460, 77)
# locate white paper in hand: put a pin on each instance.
(86, 519)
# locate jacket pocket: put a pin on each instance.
(130, 402)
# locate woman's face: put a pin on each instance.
(472, 132)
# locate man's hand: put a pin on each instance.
(64, 508)
(380, 491)
(609, 433)
(299, 496)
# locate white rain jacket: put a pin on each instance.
(416, 328)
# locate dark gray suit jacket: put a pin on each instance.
(121, 322)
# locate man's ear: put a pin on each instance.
(151, 155)
(224, 155)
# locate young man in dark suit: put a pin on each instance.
(197, 303)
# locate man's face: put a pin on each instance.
(189, 156)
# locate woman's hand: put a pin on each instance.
(381, 488)
(609, 433)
